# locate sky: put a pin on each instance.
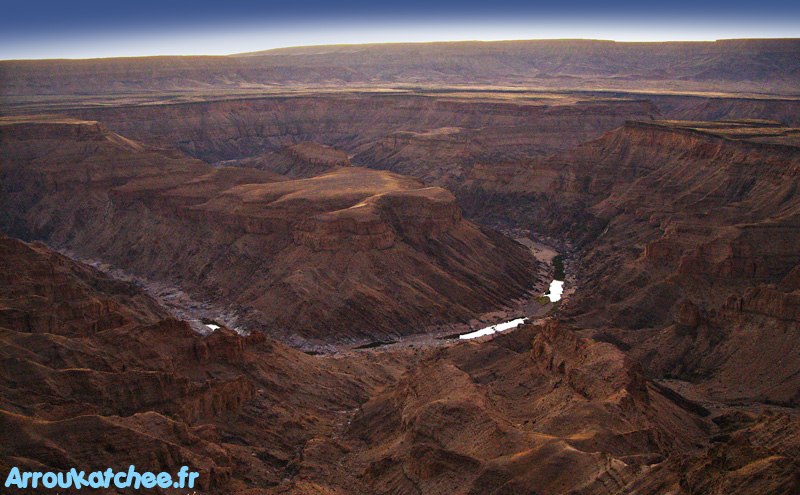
(94, 28)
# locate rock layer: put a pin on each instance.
(351, 253)
(745, 65)
(304, 159)
(110, 382)
(689, 234)
(364, 124)
(538, 410)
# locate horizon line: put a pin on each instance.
(388, 43)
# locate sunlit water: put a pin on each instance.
(493, 329)
(556, 289)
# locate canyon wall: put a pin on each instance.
(353, 253)
(96, 375)
(539, 410)
(671, 369)
(374, 128)
(689, 239)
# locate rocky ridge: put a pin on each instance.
(352, 253)
(93, 368)
(537, 410)
(304, 159)
(701, 218)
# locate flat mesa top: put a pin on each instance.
(750, 130)
(43, 119)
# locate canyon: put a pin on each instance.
(352, 252)
(343, 214)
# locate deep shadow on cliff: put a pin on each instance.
(670, 370)
(688, 242)
(95, 376)
(351, 253)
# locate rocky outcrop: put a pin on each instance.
(437, 138)
(304, 159)
(145, 390)
(513, 412)
(689, 239)
(753, 455)
(59, 297)
(350, 253)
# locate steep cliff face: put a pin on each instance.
(538, 407)
(350, 253)
(110, 381)
(515, 413)
(786, 109)
(448, 155)
(387, 131)
(705, 203)
(690, 239)
(66, 296)
(304, 159)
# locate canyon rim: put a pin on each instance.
(511, 267)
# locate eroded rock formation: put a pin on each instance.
(304, 159)
(539, 410)
(350, 253)
(690, 239)
(670, 370)
(109, 380)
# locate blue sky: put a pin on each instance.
(85, 29)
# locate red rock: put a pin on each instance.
(350, 253)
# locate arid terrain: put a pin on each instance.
(259, 266)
